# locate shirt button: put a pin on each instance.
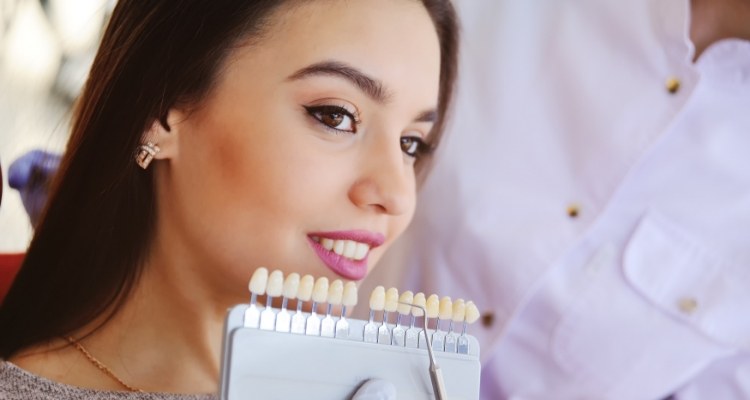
(673, 85)
(488, 319)
(573, 210)
(688, 305)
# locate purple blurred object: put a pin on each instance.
(31, 175)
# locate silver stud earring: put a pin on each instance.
(146, 153)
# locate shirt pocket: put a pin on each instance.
(700, 289)
(655, 314)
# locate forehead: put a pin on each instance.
(391, 40)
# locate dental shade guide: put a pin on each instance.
(327, 362)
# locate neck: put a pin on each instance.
(714, 20)
(166, 338)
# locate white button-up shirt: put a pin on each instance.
(592, 196)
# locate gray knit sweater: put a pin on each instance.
(18, 384)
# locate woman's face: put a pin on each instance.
(302, 157)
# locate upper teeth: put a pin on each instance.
(345, 248)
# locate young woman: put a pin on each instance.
(213, 137)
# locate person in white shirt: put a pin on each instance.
(594, 198)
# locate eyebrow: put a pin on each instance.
(370, 86)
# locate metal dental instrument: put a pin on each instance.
(436, 374)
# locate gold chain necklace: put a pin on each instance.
(101, 366)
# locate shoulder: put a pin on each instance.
(19, 384)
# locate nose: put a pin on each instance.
(386, 183)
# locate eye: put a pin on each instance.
(334, 117)
(414, 146)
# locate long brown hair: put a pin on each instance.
(88, 249)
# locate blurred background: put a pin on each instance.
(46, 49)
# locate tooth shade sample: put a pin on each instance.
(320, 290)
(391, 300)
(259, 281)
(406, 298)
(305, 288)
(418, 301)
(472, 313)
(291, 285)
(336, 292)
(459, 310)
(377, 299)
(350, 294)
(275, 283)
(433, 306)
(446, 308)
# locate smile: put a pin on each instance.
(345, 248)
(345, 252)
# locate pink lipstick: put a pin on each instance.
(346, 267)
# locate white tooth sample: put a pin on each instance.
(259, 281)
(391, 300)
(349, 248)
(361, 251)
(350, 294)
(459, 310)
(418, 301)
(275, 283)
(377, 299)
(320, 290)
(406, 298)
(338, 247)
(327, 243)
(472, 313)
(291, 285)
(305, 288)
(433, 306)
(336, 292)
(446, 308)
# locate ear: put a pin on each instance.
(165, 134)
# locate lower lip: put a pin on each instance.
(342, 266)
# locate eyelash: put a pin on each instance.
(421, 149)
(318, 112)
